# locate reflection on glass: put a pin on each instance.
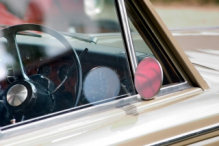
(147, 46)
(75, 16)
(101, 83)
(49, 77)
(6, 60)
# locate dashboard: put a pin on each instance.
(52, 83)
(106, 75)
(50, 67)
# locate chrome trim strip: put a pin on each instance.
(127, 34)
(173, 88)
(34, 124)
(71, 114)
(187, 135)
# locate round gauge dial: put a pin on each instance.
(63, 70)
(101, 83)
(44, 69)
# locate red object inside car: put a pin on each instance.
(7, 18)
(44, 12)
(148, 78)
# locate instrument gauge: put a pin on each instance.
(101, 83)
(63, 70)
(44, 69)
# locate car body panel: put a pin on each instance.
(212, 141)
(149, 122)
(181, 112)
(200, 45)
(145, 122)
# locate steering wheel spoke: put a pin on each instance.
(14, 49)
(35, 93)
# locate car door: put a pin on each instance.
(126, 119)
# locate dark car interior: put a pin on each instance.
(105, 75)
(43, 72)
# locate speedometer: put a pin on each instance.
(101, 83)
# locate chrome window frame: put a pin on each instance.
(67, 115)
(130, 51)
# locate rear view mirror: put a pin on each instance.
(148, 78)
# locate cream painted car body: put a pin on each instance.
(146, 122)
(158, 121)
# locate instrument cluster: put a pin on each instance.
(101, 81)
(46, 70)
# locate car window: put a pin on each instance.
(147, 43)
(149, 49)
(60, 56)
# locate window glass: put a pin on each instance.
(40, 73)
(150, 47)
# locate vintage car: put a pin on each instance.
(104, 72)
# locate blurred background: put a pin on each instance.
(95, 16)
(188, 13)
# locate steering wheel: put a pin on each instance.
(25, 95)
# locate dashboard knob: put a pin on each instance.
(16, 95)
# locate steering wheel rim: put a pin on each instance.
(10, 34)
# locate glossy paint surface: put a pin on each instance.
(142, 123)
(146, 122)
